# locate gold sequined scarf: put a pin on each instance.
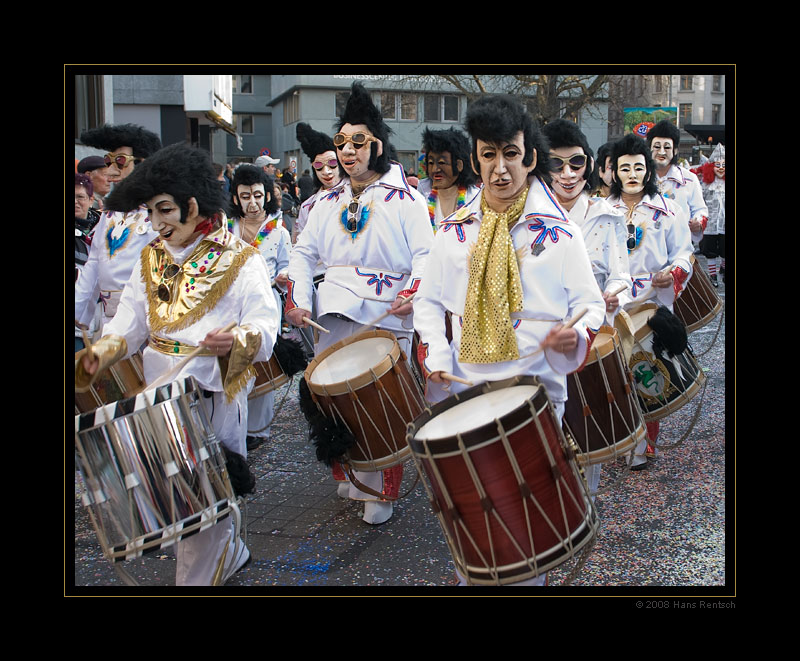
(494, 289)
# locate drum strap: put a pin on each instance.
(363, 487)
(175, 348)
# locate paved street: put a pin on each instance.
(660, 528)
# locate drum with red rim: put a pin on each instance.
(699, 302)
(602, 413)
(123, 379)
(502, 481)
(364, 381)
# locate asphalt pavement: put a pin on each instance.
(665, 530)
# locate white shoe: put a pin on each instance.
(343, 490)
(241, 560)
(377, 512)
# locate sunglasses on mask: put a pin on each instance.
(357, 139)
(576, 162)
(331, 163)
(120, 160)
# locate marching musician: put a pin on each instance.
(118, 237)
(256, 220)
(658, 238)
(451, 182)
(571, 168)
(508, 270)
(373, 235)
(189, 282)
(675, 182)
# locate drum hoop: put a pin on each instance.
(596, 353)
(360, 380)
(641, 333)
(475, 438)
(131, 405)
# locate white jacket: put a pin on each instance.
(556, 283)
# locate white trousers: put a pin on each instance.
(199, 555)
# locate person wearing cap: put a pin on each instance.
(674, 181)
(267, 163)
(450, 181)
(119, 236)
(95, 167)
(255, 218)
(186, 286)
(373, 234)
(507, 271)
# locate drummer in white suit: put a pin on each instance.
(507, 271)
(188, 284)
(572, 171)
(118, 237)
(658, 238)
(257, 221)
(451, 182)
(373, 235)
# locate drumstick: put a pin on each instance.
(315, 325)
(618, 290)
(88, 344)
(667, 270)
(375, 321)
(457, 379)
(165, 378)
(569, 324)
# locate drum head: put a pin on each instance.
(351, 360)
(476, 412)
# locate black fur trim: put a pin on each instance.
(669, 333)
(290, 355)
(242, 480)
(331, 440)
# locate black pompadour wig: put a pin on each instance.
(457, 144)
(313, 143)
(632, 145)
(666, 129)
(499, 118)
(250, 175)
(360, 109)
(144, 143)
(177, 170)
(562, 133)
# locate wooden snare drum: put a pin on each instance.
(664, 384)
(364, 382)
(602, 413)
(152, 469)
(699, 302)
(123, 379)
(502, 481)
(269, 377)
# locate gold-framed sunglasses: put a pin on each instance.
(358, 140)
(331, 163)
(164, 291)
(576, 161)
(120, 160)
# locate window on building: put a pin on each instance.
(398, 106)
(291, 109)
(686, 83)
(89, 111)
(716, 113)
(245, 124)
(659, 83)
(440, 108)
(684, 114)
(242, 84)
(389, 105)
(716, 84)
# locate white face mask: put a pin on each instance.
(252, 199)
